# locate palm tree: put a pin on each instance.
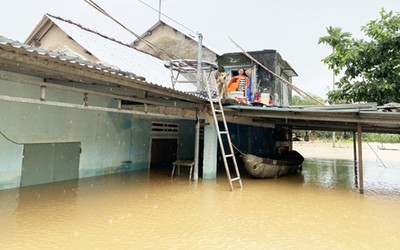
(335, 37)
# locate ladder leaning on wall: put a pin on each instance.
(228, 154)
(188, 69)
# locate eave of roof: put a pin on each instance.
(21, 58)
(344, 119)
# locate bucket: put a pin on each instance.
(264, 99)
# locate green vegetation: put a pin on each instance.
(300, 101)
(348, 136)
(371, 67)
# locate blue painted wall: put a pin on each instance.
(254, 140)
(111, 142)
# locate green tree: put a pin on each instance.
(371, 67)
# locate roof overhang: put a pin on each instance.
(56, 69)
(322, 119)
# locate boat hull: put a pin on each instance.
(259, 167)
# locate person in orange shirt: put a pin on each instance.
(239, 83)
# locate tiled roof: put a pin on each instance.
(77, 60)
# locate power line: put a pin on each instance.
(151, 45)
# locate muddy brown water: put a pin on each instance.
(319, 209)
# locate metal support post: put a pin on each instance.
(199, 60)
(360, 159)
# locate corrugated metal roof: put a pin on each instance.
(120, 55)
(344, 119)
(71, 59)
(20, 49)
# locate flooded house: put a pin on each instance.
(86, 116)
(94, 106)
(65, 118)
(81, 104)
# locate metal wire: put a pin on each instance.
(8, 139)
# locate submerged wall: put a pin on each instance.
(252, 140)
(110, 142)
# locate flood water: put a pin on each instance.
(319, 209)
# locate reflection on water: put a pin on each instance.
(330, 173)
(380, 180)
(140, 210)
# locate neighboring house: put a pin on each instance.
(69, 38)
(179, 44)
(260, 78)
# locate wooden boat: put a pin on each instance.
(287, 164)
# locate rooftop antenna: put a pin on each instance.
(162, 14)
(199, 42)
(159, 10)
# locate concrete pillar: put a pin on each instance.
(196, 152)
(210, 151)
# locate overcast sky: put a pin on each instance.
(292, 27)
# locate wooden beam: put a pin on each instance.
(355, 159)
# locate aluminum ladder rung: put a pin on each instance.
(235, 179)
(218, 109)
